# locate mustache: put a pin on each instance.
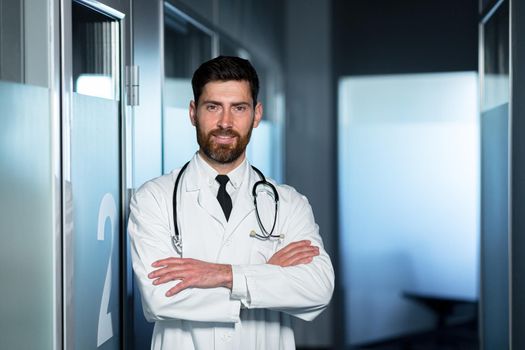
(225, 132)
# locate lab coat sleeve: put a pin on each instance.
(303, 290)
(150, 238)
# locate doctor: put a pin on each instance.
(224, 272)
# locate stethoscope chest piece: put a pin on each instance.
(177, 244)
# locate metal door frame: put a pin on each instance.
(120, 11)
(516, 147)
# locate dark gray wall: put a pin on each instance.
(517, 307)
(256, 25)
(410, 36)
(311, 133)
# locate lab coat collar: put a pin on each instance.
(243, 206)
(203, 171)
(192, 175)
(195, 180)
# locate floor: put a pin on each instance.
(453, 337)
(457, 337)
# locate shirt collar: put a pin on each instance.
(236, 175)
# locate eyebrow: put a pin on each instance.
(221, 103)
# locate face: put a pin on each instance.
(224, 118)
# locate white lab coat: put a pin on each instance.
(255, 314)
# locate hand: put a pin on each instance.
(191, 273)
(295, 253)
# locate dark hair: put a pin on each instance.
(225, 68)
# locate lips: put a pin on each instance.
(224, 136)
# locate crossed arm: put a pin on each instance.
(194, 273)
(298, 279)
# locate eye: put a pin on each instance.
(210, 107)
(240, 108)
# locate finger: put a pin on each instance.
(280, 257)
(168, 278)
(171, 274)
(293, 245)
(166, 270)
(299, 259)
(292, 248)
(167, 261)
(300, 256)
(160, 272)
(178, 288)
(300, 250)
(289, 259)
(303, 261)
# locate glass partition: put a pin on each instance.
(26, 253)
(495, 180)
(95, 180)
(409, 194)
(186, 46)
(96, 216)
(28, 287)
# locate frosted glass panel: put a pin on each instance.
(95, 179)
(180, 139)
(495, 227)
(26, 232)
(262, 147)
(409, 179)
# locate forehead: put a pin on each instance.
(230, 90)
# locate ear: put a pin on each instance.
(193, 112)
(258, 114)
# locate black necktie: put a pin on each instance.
(223, 197)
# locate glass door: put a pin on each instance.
(93, 124)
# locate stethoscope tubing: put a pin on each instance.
(176, 238)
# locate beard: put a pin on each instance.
(222, 153)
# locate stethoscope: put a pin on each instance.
(176, 239)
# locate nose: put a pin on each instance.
(226, 119)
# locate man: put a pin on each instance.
(233, 282)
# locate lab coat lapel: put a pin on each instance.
(205, 198)
(243, 205)
(210, 203)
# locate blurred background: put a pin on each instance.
(399, 120)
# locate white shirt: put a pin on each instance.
(255, 314)
(236, 176)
